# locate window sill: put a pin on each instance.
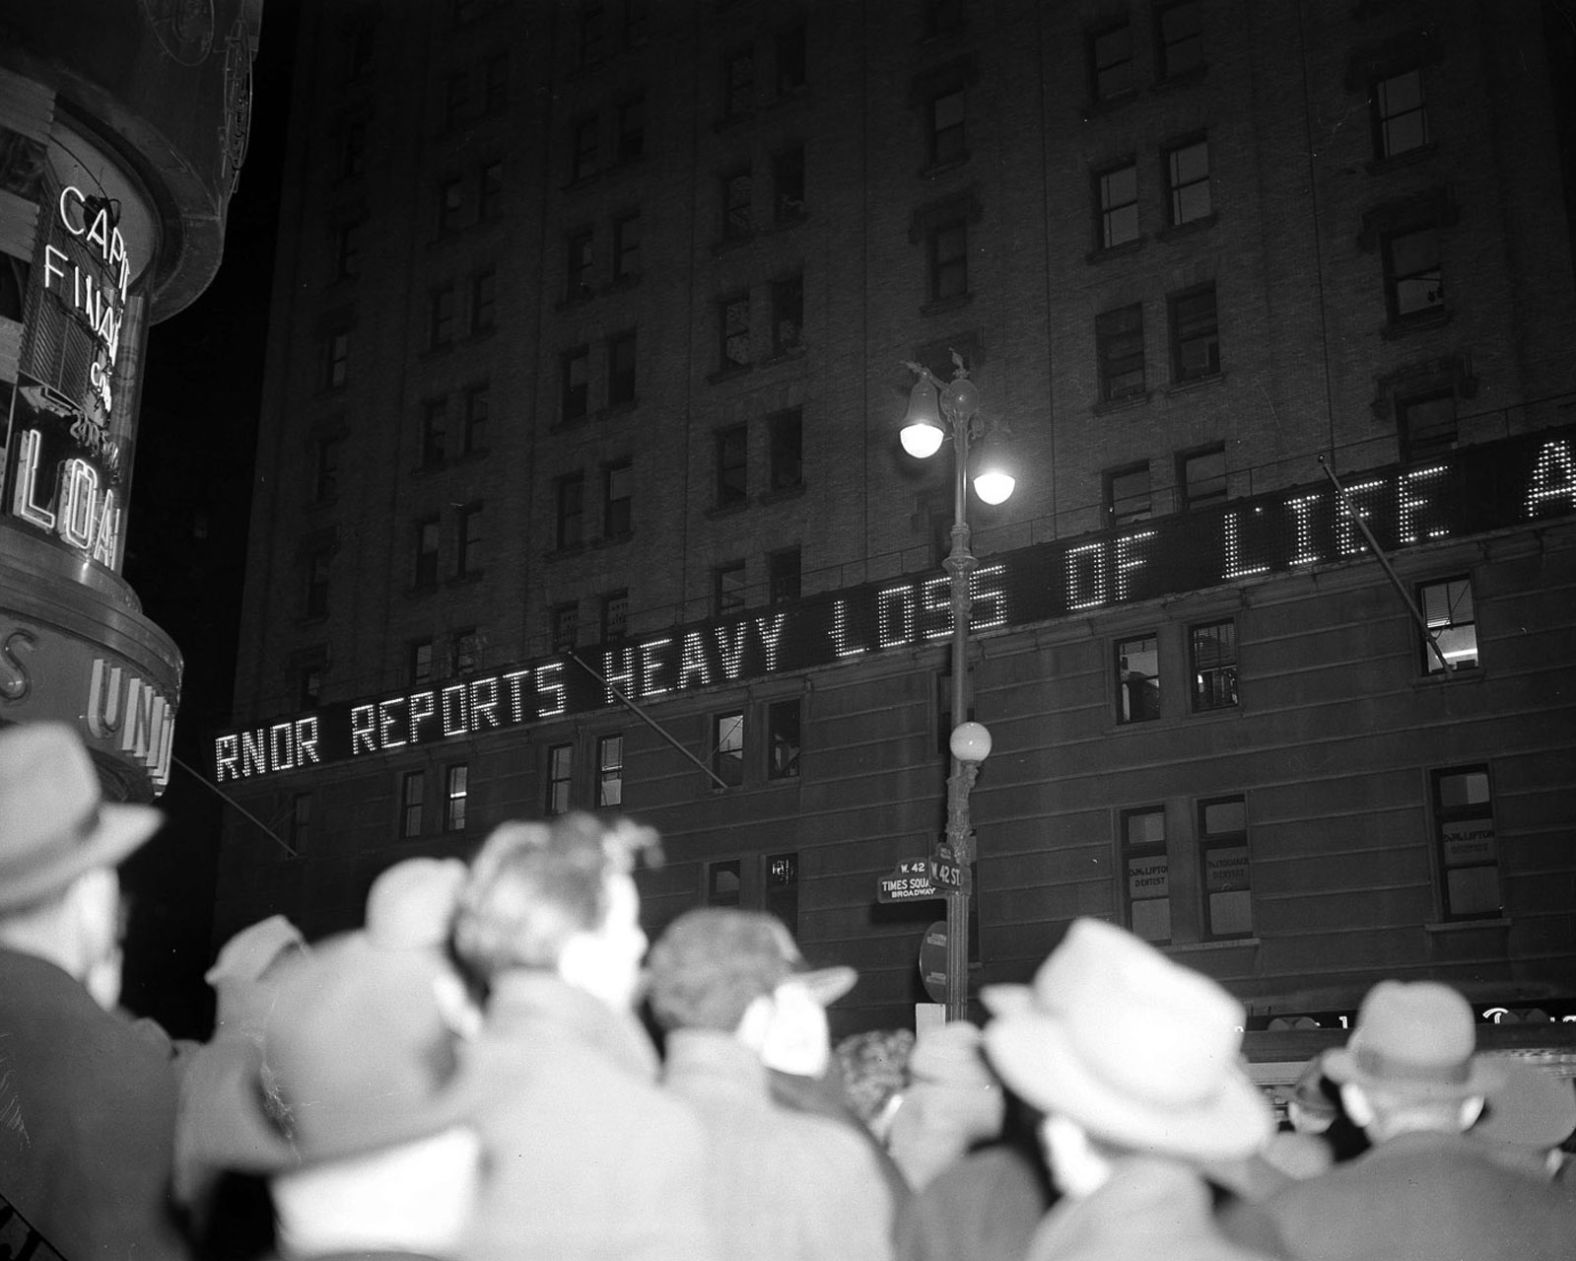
(935, 170)
(730, 243)
(620, 283)
(421, 590)
(1216, 713)
(1195, 383)
(1094, 107)
(788, 222)
(571, 301)
(1127, 402)
(1125, 249)
(1454, 678)
(786, 355)
(729, 373)
(1400, 161)
(729, 121)
(469, 578)
(782, 494)
(1183, 79)
(1400, 326)
(617, 411)
(613, 540)
(565, 552)
(941, 306)
(565, 423)
(717, 511)
(1224, 943)
(1179, 230)
(1462, 925)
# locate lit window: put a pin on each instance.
(1146, 869)
(1187, 179)
(610, 771)
(426, 552)
(621, 369)
(1202, 475)
(732, 466)
(1414, 277)
(787, 315)
(1400, 114)
(1212, 658)
(1116, 194)
(727, 741)
(615, 616)
(785, 432)
(1195, 335)
(1448, 610)
(560, 778)
(1111, 62)
(1227, 876)
(456, 792)
(1468, 843)
(575, 369)
(1127, 494)
(566, 627)
(782, 890)
(783, 722)
(727, 586)
(617, 503)
(1119, 344)
(1137, 679)
(413, 789)
(947, 139)
(1181, 38)
(570, 509)
(949, 260)
(734, 321)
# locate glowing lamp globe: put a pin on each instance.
(921, 440)
(994, 486)
(970, 742)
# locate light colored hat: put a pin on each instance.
(54, 821)
(1529, 1107)
(411, 905)
(250, 953)
(1136, 1049)
(1417, 1037)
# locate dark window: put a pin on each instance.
(591, 42)
(309, 684)
(609, 771)
(347, 250)
(578, 257)
(1468, 842)
(434, 424)
(412, 793)
(943, 17)
(788, 184)
(1119, 342)
(637, 18)
(440, 317)
(783, 576)
(1452, 621)
(1400, 114)
(1146, 870)
(325, 479)
(456, 792)
(1414, 279)
(478, 402)
(467, 651)
(300, 822)
(732, 465)
(617, 500)
(336, 359)
(945, 113)
(787, 314)
(1187, 182)
(785, 433)
(949, 260)
(489, 191)
(451, 203)
(631, 128)
(317, 565)
(1227, 875)
(1137, 679)
(575, 368)
(495, 84)
(738, 83)
(582, 148)
(738, 192)
(782, 890)
(419, 666)
(1202, 475)
(1127, 494)
(1116, 198)
(626, 247)
(615, 616)
(484, 301)
(456, 99)
(1181, 38)
(1195, 335)
(727, 588)
(1426, 426)
(353, 149)
(1111, 61)
(727, 742)
(468, 553)
(570, 511)
(783, 723)
(734, 320)
(560, 778)
(1212, 659)
(790, 60)
(566, 627)
(723, 886)
(621, 369)
(426, 552)
(360, 41)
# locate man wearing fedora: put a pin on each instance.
(1134, 1063)
(738, 999)
(1425, 1190)
(87, 1102)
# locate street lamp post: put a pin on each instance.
(934, 409)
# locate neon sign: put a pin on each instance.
(1515, 481)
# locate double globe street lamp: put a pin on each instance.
(936, 409)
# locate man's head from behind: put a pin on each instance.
(557, 897)
(740, 972)
(60, 843)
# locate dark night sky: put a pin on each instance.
(186, 541)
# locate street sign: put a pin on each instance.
(947, 874)
(933, 961)
(909, 882)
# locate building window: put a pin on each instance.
(626, 248)
(360, 40)
(468, 553)
(943, 17)
(621, 369)
(484, 301)
(309, 683)
(1426, 425)
(456, 99)
(783, 725)
(353, 149)
(1116, 197)
(1181, 38)
(455, 793)
(1223, 855)
(723, 885)
(734, 319)
(347, 250)
(727, 742)
(1111, 62)
(1127, 494)
(727, 588)
(1187, 182)
(738, 194)
(637, 18)
(631, 128)
(489, 191)
(787, 314)
(1413, 277)
(495, 84)
(565, 627)
(575, 370)
(560, 778)
(1400, 114)
(1212, 660)
(1448, 610)
(1195, 335)
(325, 475)
(1468, 844)
(434, 421)
(782, 579)
(788, 185)
(1119, 343)
(615, 616)
(782, 890)
(317, 565)
(440, 317)
(949, 260)
(1137, 679)
(785, 457)
(570, 511)
(478, 402)
(300, 822)
(582, 149)
(732, 466)
(591, 41)
(420, 662)
(1146, 868)
(945, 113)
(738, 83)
(467, 651)
(451, 202)
(790, 59)
(610, 771)
(1202, 476)
(427, 552)
(412, 792)
(617, 500)
(335, 359)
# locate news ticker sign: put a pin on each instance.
(1515, 481)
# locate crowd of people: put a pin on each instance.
(495, 1067)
